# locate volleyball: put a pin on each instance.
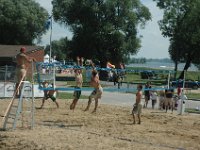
(88, 62)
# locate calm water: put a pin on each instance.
(163, 65)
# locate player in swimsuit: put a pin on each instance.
(79, 82)
(48, 94)
(98, 90)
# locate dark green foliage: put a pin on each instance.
(181, 24)
(21, 21)
(102, 29)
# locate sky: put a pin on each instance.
(154, 45)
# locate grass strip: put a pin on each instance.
(65, 95)
(192, 110)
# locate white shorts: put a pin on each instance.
(96, 93)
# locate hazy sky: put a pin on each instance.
(154, 45)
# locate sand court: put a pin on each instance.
(109, 128)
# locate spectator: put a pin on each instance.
(169, 99)
(161, 99)
(137, 107)
(147, 94)
(154, 97)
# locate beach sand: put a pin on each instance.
(110, 128)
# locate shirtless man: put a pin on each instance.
(137, 107)
(98, 90)
(79, 82)
(22, 61)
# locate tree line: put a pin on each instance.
(106, 30)
(181, 24)
(137, 61)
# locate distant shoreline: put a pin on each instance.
(163, 65)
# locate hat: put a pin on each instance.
(23, 49)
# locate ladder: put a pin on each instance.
(21, 109)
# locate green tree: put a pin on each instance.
(181, 23)
(103, 29)
(21, 21)
(60, 49)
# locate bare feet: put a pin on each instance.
(94, 111)
(57, 105)
(71, 106)
(86, 109)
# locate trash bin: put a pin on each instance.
(181, 104)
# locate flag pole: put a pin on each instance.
(50, 38)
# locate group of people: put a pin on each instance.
(166, 96)
(94, 82)
(117, 76)
(23, 62)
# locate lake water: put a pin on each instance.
(164, 66)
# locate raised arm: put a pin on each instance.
(80, 63)
(30, 59)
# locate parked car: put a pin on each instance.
(188, 84)
(148, 75)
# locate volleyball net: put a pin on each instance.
(62, 77)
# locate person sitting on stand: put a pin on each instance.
(22, 65)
